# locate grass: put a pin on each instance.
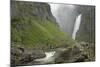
(34, 26)
(35, 33)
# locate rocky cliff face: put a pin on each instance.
(27, 9)
(34, 31)
(87, 28)
(66, 15)
(32, 24)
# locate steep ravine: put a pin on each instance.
(35, 33)
(32, 25)
(66, 15)
(87, 27)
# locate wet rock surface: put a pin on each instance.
(81, 52)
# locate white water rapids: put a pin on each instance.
(49, 57)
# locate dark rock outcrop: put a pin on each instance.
(81, 52)
(29, 9)
(18, 57)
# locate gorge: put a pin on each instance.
(66, 16)
(47, 33)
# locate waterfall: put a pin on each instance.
(76, 26)
(65, 16)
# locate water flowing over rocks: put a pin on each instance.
(81, 52)
(35, 34)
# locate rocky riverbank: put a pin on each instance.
(35, 34)
(81, 52)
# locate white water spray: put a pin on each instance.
(76, 26)
(49, 58)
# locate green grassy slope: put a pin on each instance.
(36, 31)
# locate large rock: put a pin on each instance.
(68, 55)
(81, 52)
(20, 57)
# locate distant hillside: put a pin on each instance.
(33, 25)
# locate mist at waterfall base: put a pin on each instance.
(67, 17)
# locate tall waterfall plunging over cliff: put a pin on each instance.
(76, 26)
(65, 16)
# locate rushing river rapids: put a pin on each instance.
(48, 59)
(50, 56)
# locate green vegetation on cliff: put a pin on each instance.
(33, 25)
